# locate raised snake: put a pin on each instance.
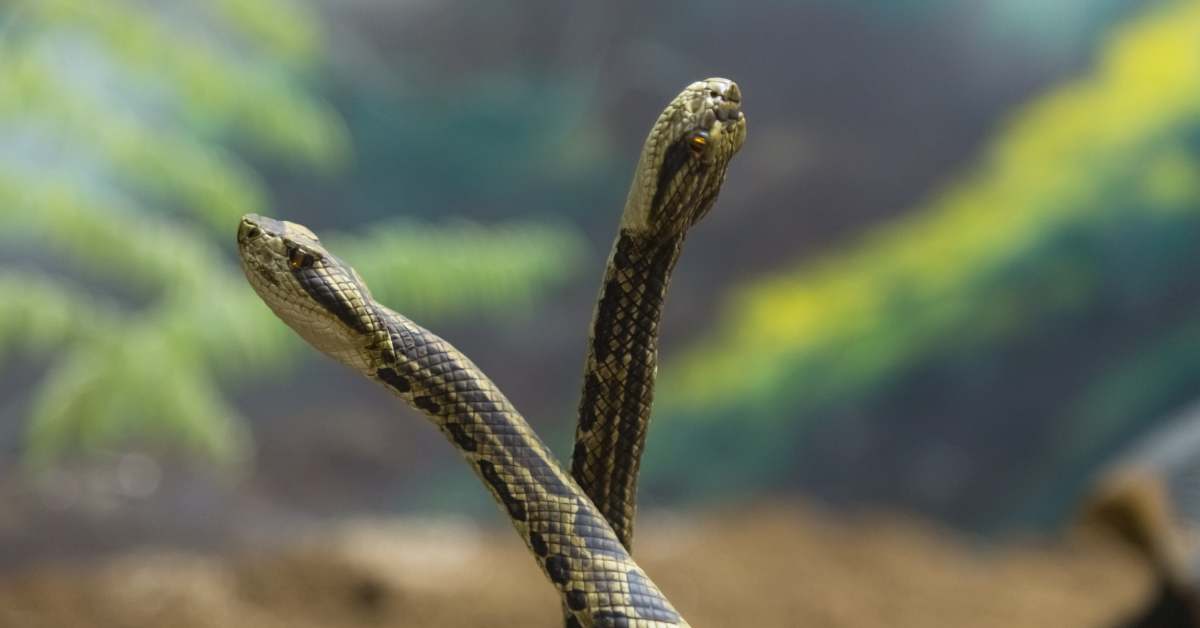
(324, 300)
(671, 191)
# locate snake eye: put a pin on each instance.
(298, 259)
(698, 141)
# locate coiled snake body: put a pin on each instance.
(325, 301)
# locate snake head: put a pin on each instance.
(272, 249)
(683, 162)
(318, 295)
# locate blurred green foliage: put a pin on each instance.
(490, 142)
(129, 129)
(1090, 193)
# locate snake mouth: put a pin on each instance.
(725, 112)
(248, 229)
(254, 226)
(727, 101)
(729, 114)
(723, 120)
(259, 242)
(725, 124)
(721, 105)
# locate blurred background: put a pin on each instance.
(952, 274)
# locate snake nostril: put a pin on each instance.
(733, 94)
(248, 230)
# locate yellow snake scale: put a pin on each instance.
(325, 301)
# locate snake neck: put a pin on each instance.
(619, 375)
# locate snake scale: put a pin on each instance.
(325, 301)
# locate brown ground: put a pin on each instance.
(767, 567)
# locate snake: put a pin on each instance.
(328, 304)
(678, 177)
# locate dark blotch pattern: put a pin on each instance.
(592, 386)
(576, 600)
(320, 286)
(558, 568)
(426, 403)
(606, 311)
(515, 508)
(578, 460)
(397, 381)
(573, 622)
(461, 437)
(538, 543)
(675, 157)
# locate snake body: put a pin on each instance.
(674, 186)
(325, 301)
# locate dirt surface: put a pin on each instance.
(762, 567)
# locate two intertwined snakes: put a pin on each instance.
(580, 528)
